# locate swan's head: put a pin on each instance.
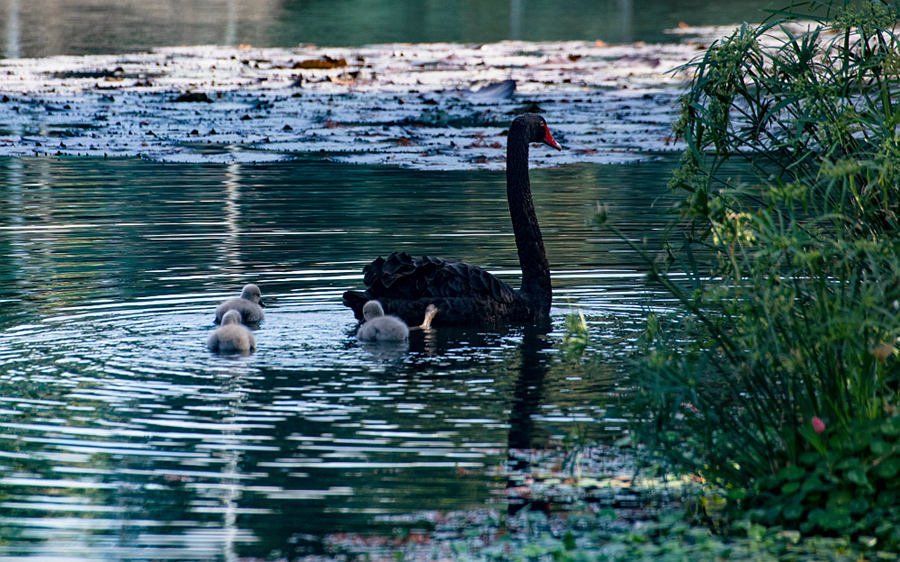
(536, 129)
(252, 293)
(231, 317)
(372, 309)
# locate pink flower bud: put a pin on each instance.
(818, 424)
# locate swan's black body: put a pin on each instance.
(465, 294)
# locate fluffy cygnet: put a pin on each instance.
(231, 336)
(249, 305)
(379, 327)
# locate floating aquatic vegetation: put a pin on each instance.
(193, 97)
(325, 62)
(423, 106)
(448, 104)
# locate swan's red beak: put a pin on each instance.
(549, 140)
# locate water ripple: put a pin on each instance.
(122, 437)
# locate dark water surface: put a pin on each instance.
(35, 28)
(122, 438)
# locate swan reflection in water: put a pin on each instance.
(523, 437)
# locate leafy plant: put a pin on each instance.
(779, 384)
(849, 486)
(576, 336)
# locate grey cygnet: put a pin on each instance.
(249, 305)
(231, 336)
(379, 327)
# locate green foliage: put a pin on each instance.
(577, 337)
(671, 538)
(782, 99)
(848, 486)
(798, 316)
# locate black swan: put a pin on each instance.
(466, 294)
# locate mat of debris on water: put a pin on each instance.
(548, 493)
(436, 106)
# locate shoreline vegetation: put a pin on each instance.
(764, 420)
(779, 385)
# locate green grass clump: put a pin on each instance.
(779, 384)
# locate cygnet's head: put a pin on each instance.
(372, 309)
(231, 317)
(252, 293)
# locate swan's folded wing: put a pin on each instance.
(401, 276)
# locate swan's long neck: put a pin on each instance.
(530, 244)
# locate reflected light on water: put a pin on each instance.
(121, 437)
(38, 28)
(13, 31)
(231, 243)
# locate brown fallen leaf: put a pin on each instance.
(323, 63)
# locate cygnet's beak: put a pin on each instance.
(262, 303)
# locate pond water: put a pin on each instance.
(121, 437)
(36, 28)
